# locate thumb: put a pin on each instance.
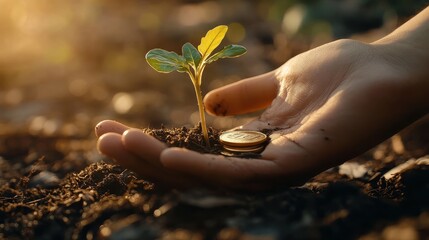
(245, 96)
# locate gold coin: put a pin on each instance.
(242, 138)
(244, 149)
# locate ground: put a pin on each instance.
(76, 196)
(65, 66)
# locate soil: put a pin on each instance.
(58, 188)
(190, 138)
(68, 66)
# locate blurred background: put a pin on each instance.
(65, 65)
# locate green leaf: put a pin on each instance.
(230, 51)
(191, 54)
(166, 62)
(212, 39)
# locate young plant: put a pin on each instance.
(193, 62)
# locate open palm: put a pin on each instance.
(325, 106)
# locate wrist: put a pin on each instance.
(406, 48)
(411, 62)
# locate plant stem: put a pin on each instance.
(202, 113)
(196, 80)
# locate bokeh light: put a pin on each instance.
(236, 32)
(198, 13)
(293, 19)
(62, 60)
(122, 102)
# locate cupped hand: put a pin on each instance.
(324, 106)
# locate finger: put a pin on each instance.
(238, 173)
(243, 97)
(107, 126)
(110, 144)
(143, 145)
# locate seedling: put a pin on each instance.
(193, 62)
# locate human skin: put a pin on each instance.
(327, 105)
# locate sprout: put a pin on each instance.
(193, 61)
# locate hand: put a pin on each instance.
(326, 105)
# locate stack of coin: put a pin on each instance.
(243, 141)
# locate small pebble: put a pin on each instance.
(45, 179)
